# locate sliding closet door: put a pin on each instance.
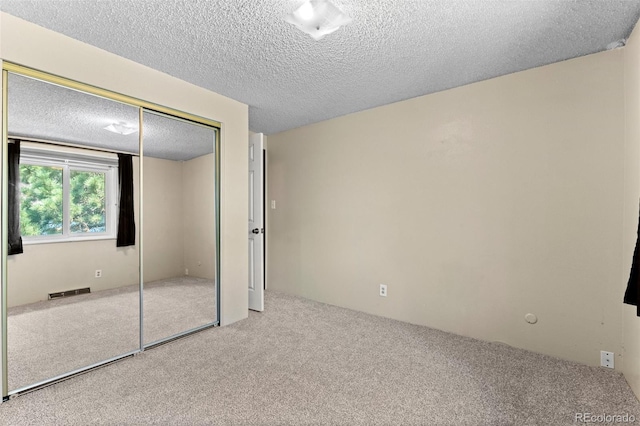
(73, 273)
(179, 227)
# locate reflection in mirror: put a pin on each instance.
(73, 293)
(179, 226)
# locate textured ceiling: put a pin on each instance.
(393, 49)
(46, 111)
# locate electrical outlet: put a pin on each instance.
(186, 271)
(273, 204)
(606, 359)
(383, 290)
(98, 273)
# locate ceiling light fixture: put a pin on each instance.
(317, 18)
(121, 128)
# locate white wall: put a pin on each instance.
(475, 205)
(631, 322)
(30, 45)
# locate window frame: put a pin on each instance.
(73, 159)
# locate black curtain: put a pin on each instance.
(126, 222)
(13, 222)
(631, 296)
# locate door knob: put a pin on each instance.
(255, 231)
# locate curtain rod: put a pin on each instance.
(72, 145)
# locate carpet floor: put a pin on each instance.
(53, 337)
(303, 362)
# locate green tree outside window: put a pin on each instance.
(40, 200)
(88, 204)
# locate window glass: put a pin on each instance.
(41, 200)
(87, 202)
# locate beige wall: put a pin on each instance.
(30, 45)
(631, 324)
(475, 206)
(178, 234)
(49, 268)
(163, 219)
(198, 200)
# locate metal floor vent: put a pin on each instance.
(68, 293)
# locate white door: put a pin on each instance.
(256, 223)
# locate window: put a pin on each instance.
(66, 195)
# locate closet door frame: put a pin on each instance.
(8, 67)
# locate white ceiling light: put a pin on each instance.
(317, 18)
(121, 128)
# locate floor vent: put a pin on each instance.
(68, 293)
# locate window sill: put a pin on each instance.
(30, 242)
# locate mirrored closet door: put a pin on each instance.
(73, 263)
(112, 237)
(179, 231)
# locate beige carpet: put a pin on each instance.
(53, 337)
(303, 362)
